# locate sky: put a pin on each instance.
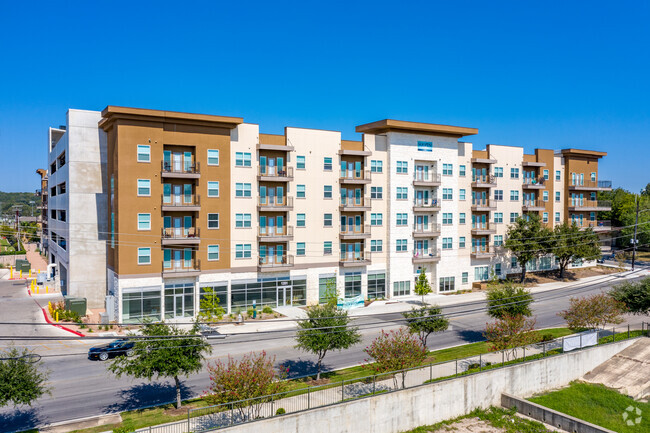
(552, 74)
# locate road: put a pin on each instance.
(83, 388)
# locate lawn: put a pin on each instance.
(596, 404)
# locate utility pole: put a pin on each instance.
(636, 223)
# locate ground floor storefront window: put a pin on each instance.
(376, 286)
(401, 288)
(141, 304)
(353, 285)
(275, 292)
(179, 300)
(207, 297)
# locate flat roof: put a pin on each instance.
(583, 152)
(415, 127)
(112, 112)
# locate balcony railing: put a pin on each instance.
(486, 179)
(354, 176)
(590, 204)
(355, 202)
(274, 171)
(430, 203)
(275, 261)
(422, 255)
(354, 257)
(590, 184)
(424, 229)
(533, 204)
(483, 204)
(181, 266)
(274, 231)
(483, 227)
(180, 201)
(355, 231)
(598, 225)
(426, 177)
(180, 168)
(274, 201)
(482, 251)
(534, 181)
(172, 233)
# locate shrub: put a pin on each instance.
(546, 337)
(250, 312)
(477, 365)
(280, 411)
(267, 310)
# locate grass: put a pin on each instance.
(497, 417)
(596, 404)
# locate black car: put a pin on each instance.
(111, 350)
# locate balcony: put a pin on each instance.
(426, 179)
(355, 232)
(275, 234)
(355, 177)
(181, 236)
(426, 205)
(352, 204)
(533, 164)
(179, 170)
(274, 203)
(430, 255)
(590, 185)
(280, 147)
(483, 229)
(483, 161)
(182, 203)
(482, 253)
(483, 205)
(487, 181)
(426, 230)
(598, 226)
(350, 259)
(533, 205)
(535, 183)
(590, 205)
(270, 173)
(275, 263)
(181, 268)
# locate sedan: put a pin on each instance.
(111, 350)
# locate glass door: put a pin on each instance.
(167, 160)
(167, 193)
(271, 195)
(271, 226)
(280, 225)
(177, 227)
(177, 161)
(271, 255)
(177, 194)
(271, 166)
(178, 257)
(280, 254)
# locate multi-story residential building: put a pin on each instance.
(200, 201)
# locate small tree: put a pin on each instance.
(252, 378)
(395, 351)
(635, 296)
(22, 380)
(422, 286)
(210, 310)
(526, 239)
(165, 351)
(508, 300)
(326, 329)
(425, 321)
(593, 312)
(570, 243)
(508, 333)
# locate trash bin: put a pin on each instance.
(78, 305)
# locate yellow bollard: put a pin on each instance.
(21, 273)
(30, 273)
(57, 317)
(11, 273)
(46, 290)
(37, 290)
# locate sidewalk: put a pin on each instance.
(35, 259)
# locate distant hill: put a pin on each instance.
(8, 199)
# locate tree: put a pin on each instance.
(635, 296)
(569, 243)
(508, 333)
(22, 380)
(164, 351)
(252, 378)
(325, 329)
(422, 286)
(425, 321)
(210, 310)
(508, 299)
(592, 312)
(526, 239)
(396, 351)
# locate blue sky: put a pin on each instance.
(545, 74)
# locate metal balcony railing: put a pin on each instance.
(354, 175)
(355, 230)
(590, 203)
(354, 256)
(426, 202)
(484, 179)
(274, 171)
(183, 167)
(181, 200)
(420, 176)
(192, 265)
(533, 203)
(426, 228)
(181, 233)
(591, 183)
(355, 201)
(534, 180)
(276, 260)
(273, 231)
(275, 201)
(419, 253)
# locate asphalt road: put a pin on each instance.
(83, 388)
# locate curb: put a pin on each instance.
(47, 319)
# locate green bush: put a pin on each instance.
(477, 365)
(250, 312)
(546, 337)
(280, 411)
(267, 310)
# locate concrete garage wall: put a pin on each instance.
(428, 404)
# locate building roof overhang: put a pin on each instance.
(387, 125)
(583, 153)
(112, 113)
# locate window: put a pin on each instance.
(447, 169)
(461, 170)
(327, 163)
(213, 253)
(447, 284)
(63, 215)
(514, 195)
(593, 177)
(461, 218)
(461, 194)
(144, 153)
(557, 217)
(300, 220)
(447, 243)
(498, 217)
(144, 187)
(242, 189)
(557, 175)
(243, 251)
(242, 220)
(352, 285)
(592, 196)
(592, 216)
(498, 171)
(300, 191)
(213, 220)
(401, 288)
(447, 194)
(327, 247)
(376, 166)
(300, 248)
(376, 219)
(545, 217)
(53, 214)
(327, 220)
(213, 189)
(300, 162)
(545, 174)
(144, 256)
(497, 269)
(402, 167)
(61, 188)
(514, 173)
(425, 146)
(402, 193)
(376, 246)
(213, 157)
(545, 195)
(144, 221)
(481, 273)
(461, 242)
(376, 286)
(513, 217)
(513, 262)
(242, 159)
(557, 196)
(498, 194)
(498, 240)
(447, 218)
(141, 305)
(376, 192)
(401, 245)
(465, 277)
(327, 191)
(402, 219)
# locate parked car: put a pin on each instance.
(114, 348)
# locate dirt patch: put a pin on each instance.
(533, 279)
(317, 382)
(469, 425)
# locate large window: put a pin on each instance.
(272, 291)
(242, 220)
(514, 173)
(213, 189)
(402, 193)
(401, 245)
(447, 194)
(242, 189)
(401, 288)
(447, 218)
(325, 283)
(213, 157)
(402, 219)
(213, 295)
(513, 217)
(481, 273)
(327, 220)
(327, 191)
(498, 194)
(447, 284)
(300, 248)
(376, 286)
(243, 251)
(498, 217)
(141, 304)
(179, 300)
(447, 169)
(498, 171)
(514, 195)
(352, 285)
(376, 246)
(144, 187)
(447, 243)
(144, 153)
(242, 159)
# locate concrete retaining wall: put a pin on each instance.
(428, 404)
(11, 259)
(549, 416)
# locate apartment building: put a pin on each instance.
(200, 201)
